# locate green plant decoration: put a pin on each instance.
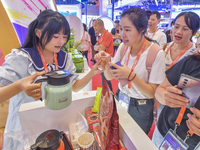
(77, 44)
(65, 47)
(197, 35)
(71, 45)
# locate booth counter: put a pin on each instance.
(36, 118)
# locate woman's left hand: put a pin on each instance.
(193, 122)
(120, 72)
(95, 68)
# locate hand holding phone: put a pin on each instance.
(117, 63)
(190, 87)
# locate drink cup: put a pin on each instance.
(85, 141)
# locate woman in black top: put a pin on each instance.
(169, 95)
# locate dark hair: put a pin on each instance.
(191, 19)
(172, 23)
(148, 13)
(138, 17)
(195, 56)
(49, 22)
(157, 14)
(84, 25)
(117, 21)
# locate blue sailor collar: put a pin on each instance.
(37, 61)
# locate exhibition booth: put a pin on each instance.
(68, 125)
(35, 118)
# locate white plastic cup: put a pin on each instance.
(86, 67)
(85, 141)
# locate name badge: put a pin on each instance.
(173, 142)
(142, 102)
(124, 100)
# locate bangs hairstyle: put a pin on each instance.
(49, 22)
(138, 17)
(191, 19)
(54, 26)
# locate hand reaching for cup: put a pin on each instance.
(104, 57)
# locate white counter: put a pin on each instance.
(35, 119)
(133, 137)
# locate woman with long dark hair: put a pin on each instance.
(137, 95)
(40, 52)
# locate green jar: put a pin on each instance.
(78, 62)
(58, 97)
(71, 39)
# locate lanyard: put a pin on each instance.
(44, 61)
(179, 120)
(152, 35)
(137, 58)
(170, 34)
(179, 56)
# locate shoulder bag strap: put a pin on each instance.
(151, 56)
(123, 51)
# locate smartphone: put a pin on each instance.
(117, 63)
(190, 87)
(197, 104)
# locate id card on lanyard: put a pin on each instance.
(173, 142)
(173, 134)
(124, 100)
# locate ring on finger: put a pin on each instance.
(35, 91)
